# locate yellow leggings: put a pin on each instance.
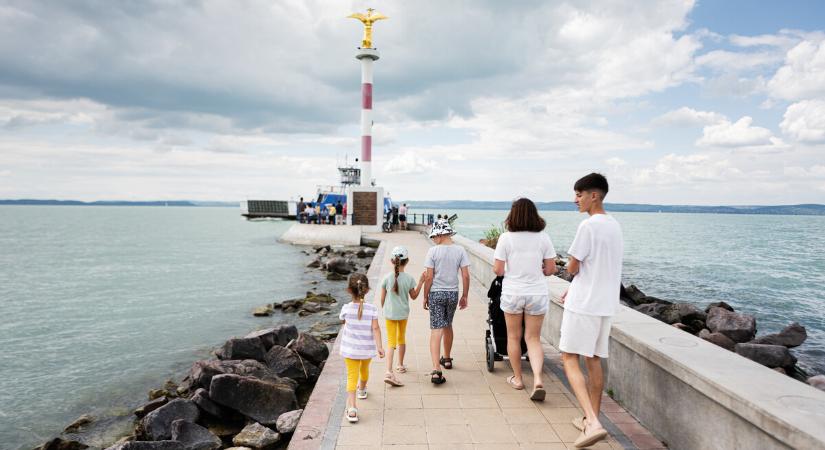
(396, 330)
(357, 369)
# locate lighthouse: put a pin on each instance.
(366, 202)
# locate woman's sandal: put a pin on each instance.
(446, 362)
(538, 394)
(511, 380)
(390, 379)
(401, 368)
(437, 377)
(352, 415)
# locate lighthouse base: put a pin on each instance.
(365, 207)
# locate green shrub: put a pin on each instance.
(491, 236)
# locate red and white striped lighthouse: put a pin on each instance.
(367, 56)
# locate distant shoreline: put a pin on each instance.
(449, 205)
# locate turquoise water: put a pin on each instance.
(100, 304)
(769, 266)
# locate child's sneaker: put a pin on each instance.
(361, 394)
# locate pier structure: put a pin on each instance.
(365, 202)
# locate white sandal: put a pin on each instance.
(352, 415)
(361, 394)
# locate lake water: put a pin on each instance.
(99, 304)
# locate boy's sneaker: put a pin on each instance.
(361, 394)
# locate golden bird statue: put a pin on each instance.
(368, 20)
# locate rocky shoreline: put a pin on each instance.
(249, 395)
(721, 325)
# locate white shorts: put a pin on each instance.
(532, 305)
(585, 335)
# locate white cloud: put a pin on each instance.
(408, 163)
(734, 134)
(724, 60)
(685, 116)
(784, 40)
(803, 74)
(805, 121)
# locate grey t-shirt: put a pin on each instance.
(446, 261)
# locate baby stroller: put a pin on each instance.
(495, 342)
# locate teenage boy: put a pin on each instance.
(590, 303)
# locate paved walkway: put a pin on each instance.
(475, 409)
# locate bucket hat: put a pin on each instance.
(441, 228)
(399, 252)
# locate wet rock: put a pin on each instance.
(325, 247)
(718, 338)
(739, 327)
(201, 398)
(817, 381)
(722, 305)
(257, 436)
(285, 362)
(194, 436)
(653, 310)
(259, 400)
(340, 266)
(325, 330)
(315, 263)
(242, 348)
(151, 406)
(225, 429)
(652, 299)
(311, 348)
(332, 276)
(780, 370)
(311, 307)
(767, 355)
(320, 298)
(263, 311)
(287, 422)
(158, 393)
(157, 425)
(81, 421)
(142, 445)
(203, 371)
(791, 336)
(62, 444)
(634, 294)
(683, 327)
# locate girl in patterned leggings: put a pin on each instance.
(360, 341)
(396, 290)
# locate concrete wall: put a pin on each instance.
(689, 392)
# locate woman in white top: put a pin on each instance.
(525, 255)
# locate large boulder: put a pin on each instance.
(257, 436)
(722, 305)
(739, 327)
(340, 266)
(286, 362)
(791, 336)
(288, 421)
(203, 371)
(143, 445)
(259, 400)
(654, 310)
(817, 381)
(719, 339)
(157, 425)
(767, 355)
(634, 294)
(280, 335)
(194, 436)
(311, 348)
(201, 398)
(59, 443)
(242, 348)
(142, 411)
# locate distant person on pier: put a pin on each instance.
(324, 214)
(332, 213)
(344, 210)
(590, 303)
(339, 213)
(394, 217)
(317, 212)
(402, 216)
(443, 263)
(311, 215)
(300, 210)
(525, 255)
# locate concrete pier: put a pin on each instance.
(312, 234)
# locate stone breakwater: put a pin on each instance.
(249, 395)
(720, 324)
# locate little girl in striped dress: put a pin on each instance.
(360, 342)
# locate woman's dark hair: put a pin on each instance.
(524, 216)
(593, 182)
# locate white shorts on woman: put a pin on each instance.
(583, 334)
(532, 305)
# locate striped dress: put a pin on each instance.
(357, 341)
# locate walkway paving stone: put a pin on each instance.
(475, 409)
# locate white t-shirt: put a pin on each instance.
(523, 252)
(446, 261)
(598, 245)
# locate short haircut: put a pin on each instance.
(593, 182)
(524, 216)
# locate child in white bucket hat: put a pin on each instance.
(396, 290)
(444, 261)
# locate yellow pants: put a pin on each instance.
(357, 369)
(396, 330)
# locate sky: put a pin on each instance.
(675, 101)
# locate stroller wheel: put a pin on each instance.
(491, 356)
